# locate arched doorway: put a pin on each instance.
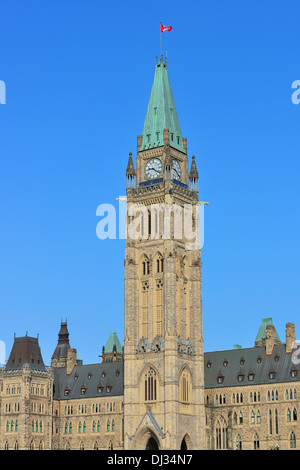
(152, 444)
(183, 445)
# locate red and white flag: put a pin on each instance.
(165, 28)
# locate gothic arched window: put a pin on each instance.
(185, 386)
(292, 440)
(150, 383)
(221, 434)
(256, 442)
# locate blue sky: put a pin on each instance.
(78, 75)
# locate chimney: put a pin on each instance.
(270, 339)
(290, 337)
(71, 360)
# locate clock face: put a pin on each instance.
(153, 169)
(176, 170)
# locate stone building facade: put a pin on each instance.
(160, 390)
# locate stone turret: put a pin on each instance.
(59, 357)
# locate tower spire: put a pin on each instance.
(161, 113)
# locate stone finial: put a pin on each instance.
(194, 171)
(130, 168)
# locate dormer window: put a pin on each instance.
(225, 363)
(157, 135)
(178, 140)
(220, 379)
(208, 365)
(272, 374)
(294, 372)
(240, 377)
(148, 138)
(172, 136)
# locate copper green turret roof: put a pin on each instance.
(112, 341)
(161, 113)
(261, 335)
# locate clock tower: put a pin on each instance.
(163, 344)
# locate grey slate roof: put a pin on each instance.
(90, 377)
(25, 350)
(217, 359)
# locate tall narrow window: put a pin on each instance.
(221, 434)
(150, 382)
(256, 442)
(292, 440)
(185, 386)
(149, 223)
(258, 417)
(270, 421)
(145, 299)
(145, 266)
(276, 421)
(295, 414)
(159, 264)
(159, 307)
(238, 442)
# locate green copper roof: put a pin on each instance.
(113, 340)
(161, 113)
(262, 330)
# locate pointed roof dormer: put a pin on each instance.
(161, 113)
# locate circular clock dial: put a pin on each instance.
(176, 170)
(153, 168)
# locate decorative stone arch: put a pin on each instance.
(186, 443)
(146, 439)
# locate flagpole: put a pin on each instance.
(160, 42)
